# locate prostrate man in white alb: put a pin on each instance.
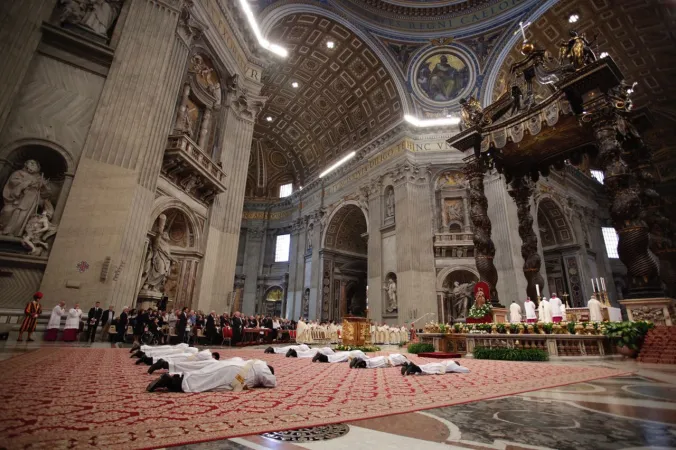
(339, 357)
(153, 352)
(436, 368)
(231, 374)
(377, 362)
(144, 348)
(310, 353)
(284, 350)
(185, 362)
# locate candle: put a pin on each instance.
(603, 283)
(593, 288)
(598, 285)
(537, 289)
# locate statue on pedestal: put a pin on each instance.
(389, 203)
(460, 299)
(22, 195)
(391, 290)
(95, 15)
(158, 260)
(38, 230)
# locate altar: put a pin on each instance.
(356, 331)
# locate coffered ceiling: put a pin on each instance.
(322, 101)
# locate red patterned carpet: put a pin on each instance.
(96, 398)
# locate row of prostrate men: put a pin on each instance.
(552, 310)
(191, 370)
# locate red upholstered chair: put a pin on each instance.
(227, 335)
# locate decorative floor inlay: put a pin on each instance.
(312, 434)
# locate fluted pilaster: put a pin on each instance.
(255, 239)
(375, 250)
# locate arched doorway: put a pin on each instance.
(560, 253)
(344, 264)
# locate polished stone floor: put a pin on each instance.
(629, 412)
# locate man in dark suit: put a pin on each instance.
(94, 318)
(237, 326)
(122, 324)
(182, 324)
(106, 321)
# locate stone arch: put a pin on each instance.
(344, 222)
(164, 204)
(10, 148)
(555, 229)
(273, 14)
(446, 271)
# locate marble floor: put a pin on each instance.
(629, 412)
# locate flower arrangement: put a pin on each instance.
(479, 312)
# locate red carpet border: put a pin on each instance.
(71, 398)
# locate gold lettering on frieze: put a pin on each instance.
(385, 155)
(434, 146)
(224, 31)
(254, 215)
(276, 215)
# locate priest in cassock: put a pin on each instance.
(31, 313)
(595, 309)
(231, 374)
(54, 324)
(437, 368)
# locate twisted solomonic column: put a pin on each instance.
(484, 249)
(522, 192)
(624, 192)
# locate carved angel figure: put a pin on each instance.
(472, 113)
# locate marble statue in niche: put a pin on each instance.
(460, 298)
(95, 15)
(38, 230)
(454, 211)
(389, 203)
(391, 291)
(24, 193)
(158, 259)
(310, 237)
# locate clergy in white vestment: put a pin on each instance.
(403, 334)
(545, 311)
(219, 376)
(529, 306)
(436, 368)
(595, 309)
(166, 361)
(377, 362)
(193, 366)
(555, 303)
(284, 350)
(310, 353)
(301, 331)
(54, 324)
(72, 327)
(145, 348)
(338, 357)
(515, 312)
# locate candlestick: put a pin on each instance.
(598, 285)
(603, 283)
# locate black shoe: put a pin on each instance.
(162, 382)
(269, 350)
(147, 360)
(321, 358)
(404, 368)
(157, 365)
(176, 384)
(291, 354)
(412, 369)
(135, 347)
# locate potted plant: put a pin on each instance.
(548, 328)
(627, 336)
(501, 328)
(513, 328)
(457, 327)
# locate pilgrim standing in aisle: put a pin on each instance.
(515, 312)
(595, 309)
(237, 326)
(31, 313)
(122, 324)
(93, 320)
(72, 324)
(106, 321)
(557, 313)
(54, 324)
(529, 306)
